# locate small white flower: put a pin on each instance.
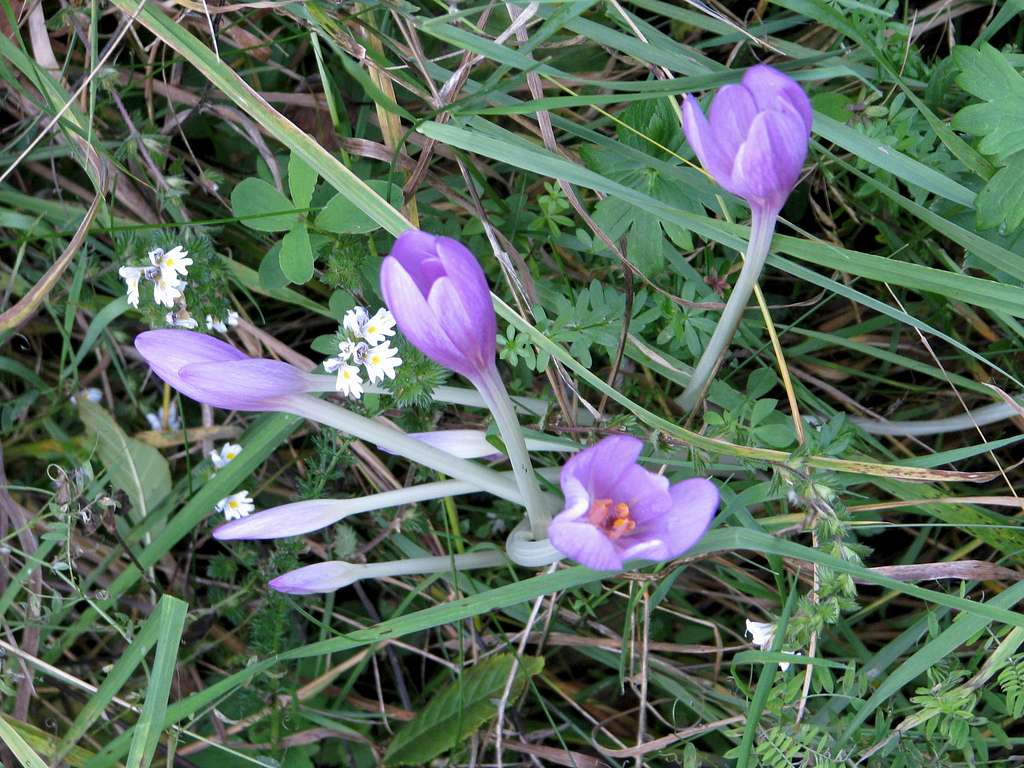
(355, 321)
(167, 289)
(232, 320)
(762, 634)
(346, 350)
(155, 420)
(213, 324)
(381, 362)
(181, 319)
(378, 328)
(349, 383)
(93, 394)
(224, 456)
(131, 277)
(236, 506)
(171, 263)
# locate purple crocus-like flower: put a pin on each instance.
(616, 511)
(212, 371)
(438, 294)
(755, 141)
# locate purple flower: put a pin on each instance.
(616, 511)
(212, 371)
(756, 140)
(438, 294)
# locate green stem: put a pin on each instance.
(493, 391)
(762, 227)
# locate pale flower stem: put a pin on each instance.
(493, 391)
(488, 558)
(397, 442)
(762, 227)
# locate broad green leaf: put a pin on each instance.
(297, 254)
(999, 117)
(138, 469)
(301, 180)
(1001, 200)
(261, 207)
(342, 216)
(834, 105)
(271, 276)
(459, 709)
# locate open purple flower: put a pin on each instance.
(616, 511)
(756, 139)
(438, 294)
(212, 371)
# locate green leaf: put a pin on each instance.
(271, 276)
(1001, 201)
(653, 120)
(458, 710)
(138, 469)
(344, 217)
(999, 118)
(19, 747)
(297, 254)
(301, 180)
(835, 105)
(261, 207)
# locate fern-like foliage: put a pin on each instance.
(1011, 681)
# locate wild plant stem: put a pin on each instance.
(493, 391)
(762, 227)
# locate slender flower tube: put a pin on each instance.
(211, 371)
(617, 511)
(438, 295)
(754, 144)
(473, 443)
(335, 574)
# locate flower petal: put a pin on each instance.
(701, 137)
(768, 164)
(468, 278)
(731, 114)
(168, 351)
(242, 385)
(414, 316)
(584, 543)
(769, 87)
(645, 492)
(694, 503)
(471, 335)
(609, 460)
(319, 577)
(416, 251)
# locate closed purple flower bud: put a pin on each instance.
(212, 371)
(755, 141)
(616, 511)
(439, 297)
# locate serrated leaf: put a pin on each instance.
(999, 118)
(301, 181)
(1001, 201)
(259, 206)
(651, 120)
(344, 217)
(459, 709)
(297, 254)
(138, 469)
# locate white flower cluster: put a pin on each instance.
(237, 505)
(166, 270)
(155, 419)
(366, 343)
